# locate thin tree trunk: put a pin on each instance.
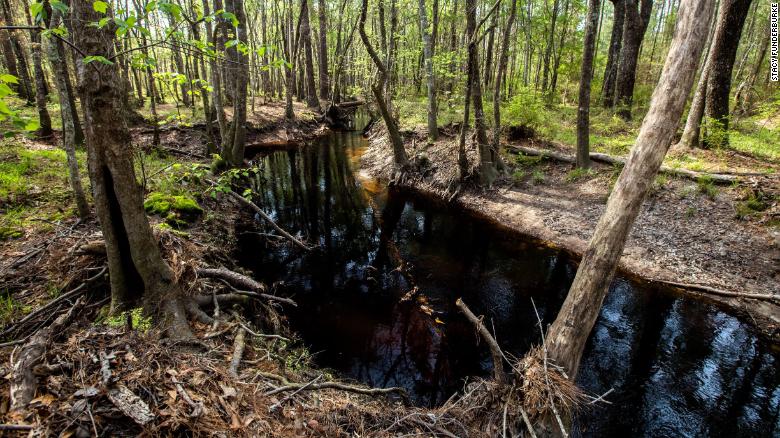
(68, 127)
(487, 165)
(569, 332)
(324, 75)
(433, 130)
(500, 74)
(240, 81)
(613, 55)
(586, 75)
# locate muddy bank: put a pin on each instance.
(686, 233)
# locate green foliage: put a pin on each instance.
(715, 133)
(140, 322)
(178, 210)
(707, 187)
(537, 177)
(518, 176)
(579, 173)
(527, 108)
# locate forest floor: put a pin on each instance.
(110, 375)
(719, 240)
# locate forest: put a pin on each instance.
(387, 218)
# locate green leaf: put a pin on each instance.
(8, 78)
(100, 59)
(100, 6)
(59, 6)
(31, 125)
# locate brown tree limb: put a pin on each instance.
(270, 221)
(495, 350)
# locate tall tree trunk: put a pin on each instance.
(489, 49)
(311, 88)
(235, 140)
(24, 88)
(137, 270)
(400, 158)
(613, 55)
(500, 75)
(731, 20)
(569, 332)
(559, 49)
(487, 163)
(634, 27)
(550, 45)
(68, 126)
(586, 75)
(433, 130)
(324, 75)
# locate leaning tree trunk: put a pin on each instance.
(381, 94)
(636, 21)
(731, 20)
(569, 332)
(613, 56)
(433, 130)
(68, 125)
(586, 75)
(137, 271)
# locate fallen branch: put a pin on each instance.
(270, 221)
(55, 302)
(707, 289)
(197, 407)
(23, 379)
(495, 350)
(232, 279)
(609, 159)
(329, 385)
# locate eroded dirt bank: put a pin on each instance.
(687, 232)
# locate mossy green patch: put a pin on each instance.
(178, 210)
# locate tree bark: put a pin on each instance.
(634, 27)
(613, 56)
(501, 74)
(324, 75)
(433, 130)
(487, 157)
(311, 88)
(586, 75)
(68, 126)
(731, 20)
(137, 270)
(569, 332)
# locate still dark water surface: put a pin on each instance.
(678, 367)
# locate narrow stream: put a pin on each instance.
(678, 367)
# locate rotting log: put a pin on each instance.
(718, 178)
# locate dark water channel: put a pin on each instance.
(678, 367)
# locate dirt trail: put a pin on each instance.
(684, 234)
